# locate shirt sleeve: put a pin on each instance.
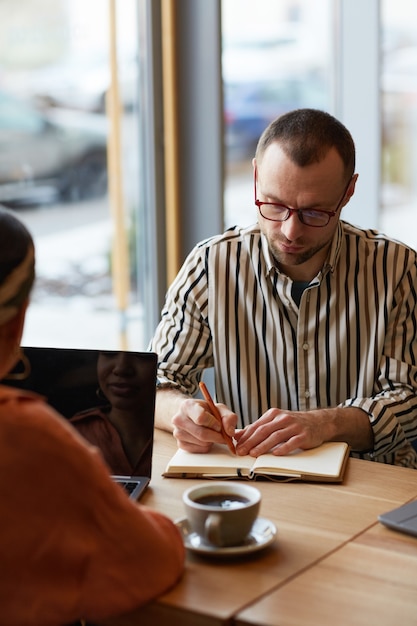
(73, 544)
(183, 338)
(392, 409)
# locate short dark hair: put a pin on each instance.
(306, 135)
(15, 242)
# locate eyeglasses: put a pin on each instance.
(276, 212)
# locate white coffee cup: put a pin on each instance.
(222, 513)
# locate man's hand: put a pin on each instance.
(281, 432)
(196, 429)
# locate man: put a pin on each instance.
(309, 322)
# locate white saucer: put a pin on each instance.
(261, 535)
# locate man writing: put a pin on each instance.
(308, 321)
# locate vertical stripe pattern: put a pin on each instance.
(350, 342)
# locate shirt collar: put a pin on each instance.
(269, 261)
(335, 248)
(99, 412)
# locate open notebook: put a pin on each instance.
(83, 385)
(326, 463)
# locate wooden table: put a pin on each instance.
(331, 558)
(370, 580)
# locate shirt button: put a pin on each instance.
(305, 346)
(307, 394)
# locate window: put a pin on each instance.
(358, 61)
(399, 120)
(54, 132)
(276, 57)
(80, 201)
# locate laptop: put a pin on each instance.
(403, 518)
(85, 386)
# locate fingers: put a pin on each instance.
(185, 442)
(276, 442)
(229, 419)
(196, 428)
(275, 432)
(255, 438)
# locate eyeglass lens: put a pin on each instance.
(278, 213)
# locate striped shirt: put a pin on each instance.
(350, 342)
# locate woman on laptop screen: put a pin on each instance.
(66, 554)
(122, 424)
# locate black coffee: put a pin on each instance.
(223, 500)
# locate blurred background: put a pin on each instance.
(76, 120)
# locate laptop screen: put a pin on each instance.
(108, 396)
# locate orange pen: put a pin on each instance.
(215, 411)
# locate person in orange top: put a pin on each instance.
(72, 544)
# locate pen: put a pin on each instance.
(215, 411)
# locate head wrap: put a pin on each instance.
(16, 287)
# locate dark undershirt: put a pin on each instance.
(297, 290)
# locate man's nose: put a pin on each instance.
(292, 227)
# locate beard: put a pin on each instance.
(291, 259)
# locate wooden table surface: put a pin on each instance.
(370, 580)
(331, 555)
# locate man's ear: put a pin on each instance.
(351, 188)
